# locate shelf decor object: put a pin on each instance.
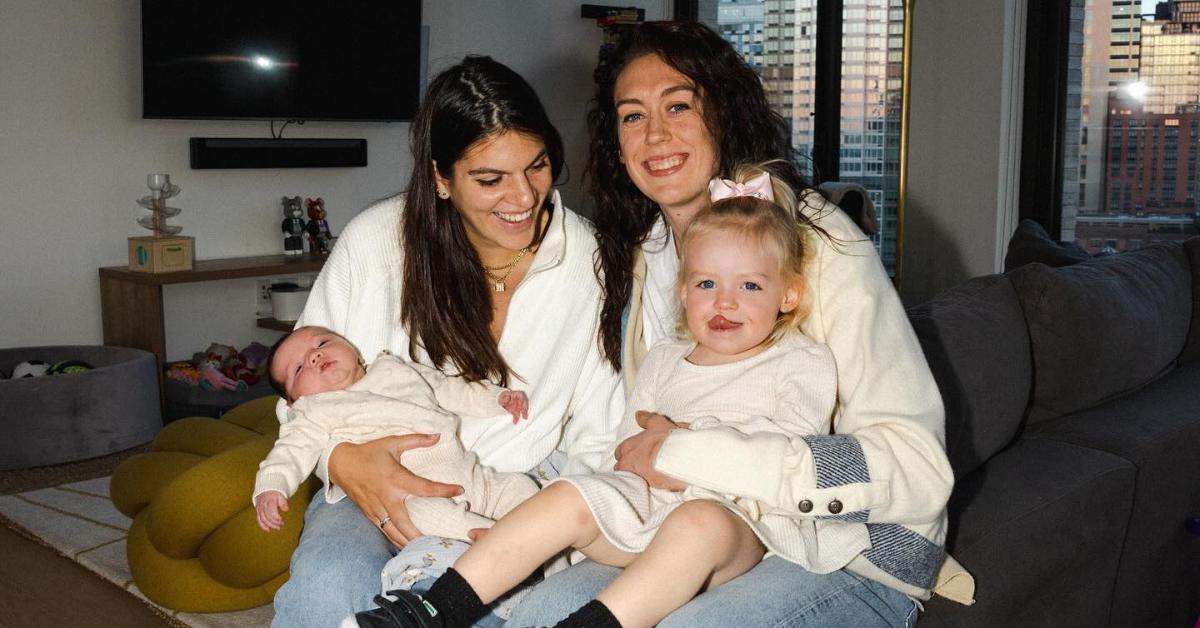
(165, 251)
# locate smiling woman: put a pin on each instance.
(495, 187)
(675, 104)
(482, 233)
(665, 144)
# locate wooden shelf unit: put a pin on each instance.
(131, 303)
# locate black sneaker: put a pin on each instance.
(406, 610)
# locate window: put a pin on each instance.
(872, 40)
(1136, 78)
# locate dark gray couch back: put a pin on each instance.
(1103, 328)
(975, 340)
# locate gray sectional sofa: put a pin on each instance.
(1073, 425)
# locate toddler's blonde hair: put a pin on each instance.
(774, 224)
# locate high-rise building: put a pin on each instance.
(1170, 58)
(1124, 40)
(741, 24)
(1152, 142)
(1110, 34)
(782, 47)
(872, 57)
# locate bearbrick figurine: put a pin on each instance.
(293, 226)
(319, 237)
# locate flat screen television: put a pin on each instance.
(281, 59)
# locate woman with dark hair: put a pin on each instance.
(477, 270)
(675, 106)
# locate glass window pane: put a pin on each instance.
(872, 32)
(1133, 110)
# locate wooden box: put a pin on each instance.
(169, 254)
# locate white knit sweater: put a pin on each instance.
(549, 338)
(788, 389)
(885, 461)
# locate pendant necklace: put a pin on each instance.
(507, 269)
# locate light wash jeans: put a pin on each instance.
(775, 593)
(335, 571)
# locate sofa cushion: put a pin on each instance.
(1191, 348)
(1105, 327)
(1031, 244)
(1157, 429)
(1038, 526)
(975, 341)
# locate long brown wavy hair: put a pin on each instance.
(736, 113)
(445, 304)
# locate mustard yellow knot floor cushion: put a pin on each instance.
(194, 544)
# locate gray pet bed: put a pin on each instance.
(61, 418)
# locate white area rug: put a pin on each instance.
(78, 520)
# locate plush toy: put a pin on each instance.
(293, 226)
(30, 368)
(213, 378)
(320, 240)
(235, 368)
(212, 366)
(255, 356)
(67, 367)
(215, 351)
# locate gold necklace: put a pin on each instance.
(507, 268)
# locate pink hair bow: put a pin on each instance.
(758, 187)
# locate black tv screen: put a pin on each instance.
(280, 59)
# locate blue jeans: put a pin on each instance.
(775, 593)
(335, 570)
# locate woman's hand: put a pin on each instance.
(372, 476)
(637, 453)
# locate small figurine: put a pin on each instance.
(293, 226)
(319, 237)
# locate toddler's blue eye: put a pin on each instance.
(750, 285)
(707, 284)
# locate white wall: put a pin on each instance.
(964, 130)
(74, 154)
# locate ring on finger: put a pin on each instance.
(384, 521)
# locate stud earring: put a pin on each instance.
(443, 194)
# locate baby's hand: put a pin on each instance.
(516, 403)
(268, 505)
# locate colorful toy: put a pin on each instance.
(212, 366)
(320, 240)
(185, 372)
(213, 378)
(67, 367)
(30, 368)
(235, 368)
(255, 356)
(222, 367)
(293, 226)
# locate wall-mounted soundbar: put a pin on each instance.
(240, 152)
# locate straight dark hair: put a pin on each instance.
(736, 114)
(445, 304)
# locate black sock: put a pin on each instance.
(594, 614)
(454, 598)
